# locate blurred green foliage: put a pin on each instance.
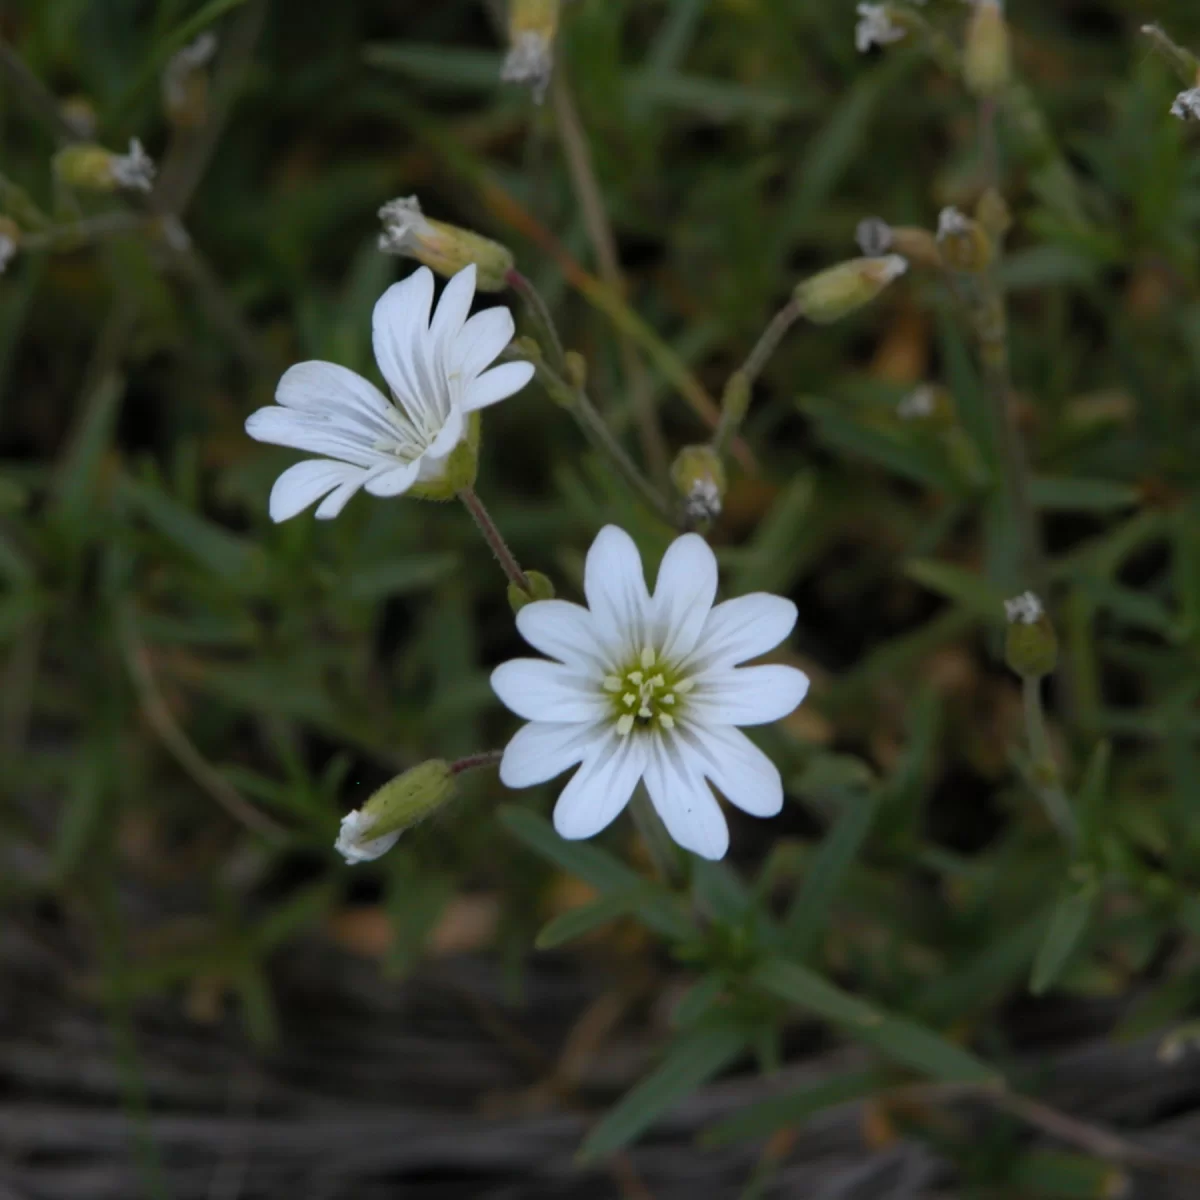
(191, 697)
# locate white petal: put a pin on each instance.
(400, 333)
(741, 629)
(566, 632)
(747, 695)
(450, 434)
(351, 846)
(308, 481)
(616, 591)
(497, 384)
(394, 481)
(482, 338)
(344, 399)
(453, 306)
(684, 594)
(300, 431)
(545, 691)
(683, 800)
(539, 751)
(601, 787)
(743, 773)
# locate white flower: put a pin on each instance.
(1187, 105)
(648, 687)
(436, 371)
(354, 847)
(134, 170)
(875, 27)
(1025, 609)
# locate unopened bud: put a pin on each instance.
(735, 400)
(93, 168)
(840, 290)
(577, 369)
(874, 236)
(928, 403)
(877, 26)
(986, 67)
(532, 27)
(917, 246)
(699, 477)
(994, 215)
(541, 587)
(457, 471)
(185, 83)
(962, 242)
(1187, 105)
(443, 248)
(1031, 645)
(10, 242)
(399, 805)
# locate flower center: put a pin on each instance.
(646, 695)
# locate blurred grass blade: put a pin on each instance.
(719, 892)
(595, 866)
(810, 909)
(1068, 494)
(79, 470)
(963, 587)
(899, 1039)
(691, 1062)
(793, 1108)
(587, 917)
(1068, 924)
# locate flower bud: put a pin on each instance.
(962, 242)
(874, 236)
(699, 476)
(94, 169)
(840, 290)
(10, 242)
(532, 27)
(458, 469)
(376, 827)
(577, 369)
(185, 83)
(1187, 105)
(994, 215)
(1031, 645)
(986, 67)
(540, 588)
(443, 248)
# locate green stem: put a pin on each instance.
(542, 320)
(491, 535)
(1045, 769)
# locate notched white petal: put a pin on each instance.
(354, 847)
(545, 691)
(684, 594)
(743, 628)
(747, 695)
(307, 482)
(539, 751)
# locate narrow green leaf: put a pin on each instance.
(81, 814)
(1068, 494)
(1068, 923)
(402, 576)
(582, 920)
(719, 892)
(964, 587)
(1065, 1176)
(780, 1112)
(697, 1001)
(691, 1062)
(594, 866)
(898, 1038)
(826, 873)
(1093, 789)
(77, 479)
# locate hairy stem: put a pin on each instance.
(491, 535)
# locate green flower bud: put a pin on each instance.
(838, 291)
(460, 469)
(699, 477)
(1031, 645)
(986, 66)
(540, 588)
(95, 169)
(444, 249)
(577, 369)
(409, 798)
(963, 243)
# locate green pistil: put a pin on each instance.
(647, 694)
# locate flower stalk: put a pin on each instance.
(495, 540)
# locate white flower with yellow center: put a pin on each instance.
(650, 687)
(437, 372)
